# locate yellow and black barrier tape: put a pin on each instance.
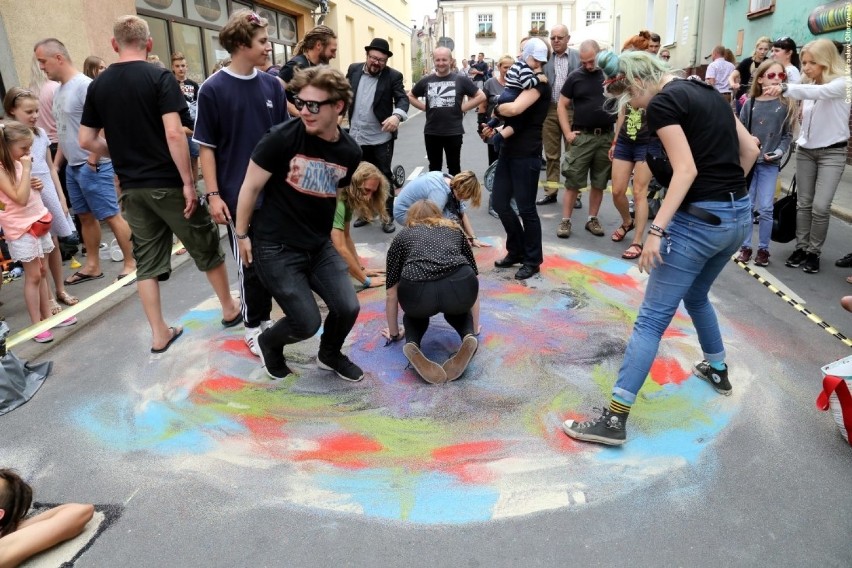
(796, 305)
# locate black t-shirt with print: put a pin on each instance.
(300, 197)
(128, 100)
(585, 89)
(444, 97)
(711, 130)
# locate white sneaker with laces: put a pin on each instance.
(252, 334)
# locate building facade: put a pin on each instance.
(496, 27)
(689, 29)
(191, 27)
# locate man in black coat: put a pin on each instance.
(379, 106)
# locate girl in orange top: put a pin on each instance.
(23, 207)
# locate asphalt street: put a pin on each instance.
(764, 482)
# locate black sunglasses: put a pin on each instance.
(313, 106)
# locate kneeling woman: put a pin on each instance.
(431, 270)
(447, 192)
(365, 196)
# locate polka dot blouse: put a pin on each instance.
(422, 253)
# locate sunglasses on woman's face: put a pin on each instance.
(666, 57)
(772, 75)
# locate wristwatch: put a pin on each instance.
(783, 88)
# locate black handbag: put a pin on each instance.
(784, 216)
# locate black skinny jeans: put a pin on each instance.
(454, 296)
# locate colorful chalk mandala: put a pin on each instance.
(486, 446)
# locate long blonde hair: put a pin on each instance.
(467, 187)
(824, 54)
(354, 198)
(425, 212)
(757, 90)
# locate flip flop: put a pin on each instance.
(79, 277)
(176, 332)
(231, 323)
(632, 253)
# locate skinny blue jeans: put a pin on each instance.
(699, 252)
(762, 196)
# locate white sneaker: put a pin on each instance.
(266, 324)
(252, 334)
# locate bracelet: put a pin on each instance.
(663, 232)
(239, 236)
(211, 193)
(652, 233)
(471, 238)
(366, 283)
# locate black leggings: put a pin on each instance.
(454, 296)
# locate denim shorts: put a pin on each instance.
(92, 192)
(627, 150)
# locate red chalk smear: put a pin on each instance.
(342, 450)
(466, 451)
(470, 473)
(264, 427)
(220, 384)
(667, 370)
(237, 346)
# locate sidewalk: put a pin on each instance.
(842, 205)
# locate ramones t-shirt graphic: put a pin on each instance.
(299, 199)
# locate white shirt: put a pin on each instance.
(793, 75)
(825, 112)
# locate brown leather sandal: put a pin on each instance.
(621, 232)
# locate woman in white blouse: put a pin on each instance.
(822, 143)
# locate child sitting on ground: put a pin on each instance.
(520, 77)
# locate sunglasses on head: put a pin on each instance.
(772, 74)
(313, 106)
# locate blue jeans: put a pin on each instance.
(699, 252)
(762, 196)
(290, 275)
(518, 178)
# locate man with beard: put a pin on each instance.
(379, 106)
(318, 47)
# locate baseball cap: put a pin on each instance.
(535, 48)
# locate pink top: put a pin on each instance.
(16, 220)
(45, 110)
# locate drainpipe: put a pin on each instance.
(697, 35)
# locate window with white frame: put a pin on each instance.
(760, 5)
(486, 23)
(592, 16)
(538, 22)
(671, 22)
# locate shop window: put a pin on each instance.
(160, 37)
(187, 40)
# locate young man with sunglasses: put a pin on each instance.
(299, 166)
(236, 106)
(380, 105)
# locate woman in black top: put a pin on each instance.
(518, 170)
(431, 270)
(699, 226)
(740, 79)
